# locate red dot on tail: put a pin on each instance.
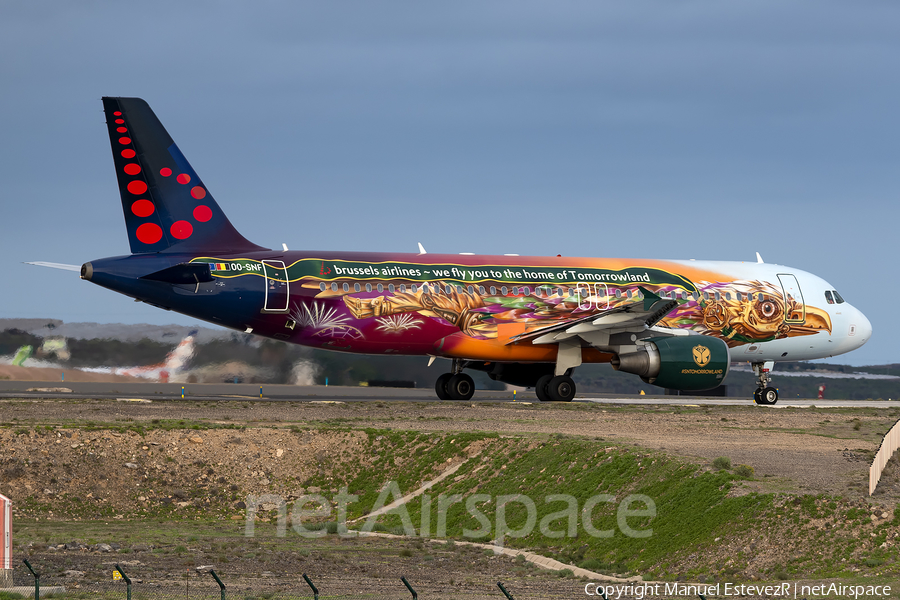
(184, 178)
(165, 171)
(142, 208)
(198, 192)
(122, 129)
(137, 187)
(118, 114)
(128, 153)
(124, 140)
(181, 230)
(132, 168)
(149, 233)
(203, 213)
(120, 121)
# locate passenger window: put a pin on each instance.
(705, 295)
(837, 297)
(322, 286)
(412, 288)
(459, 289)
(740, 297)
(447, 289)
(391, 288)
(356, 287)
(515, 291)
(526, 290)
(481, 289)
(684, 295)
(728, 295)
(493, 290)
(828, 297)
(333, 287)
(346, 287)
(471, 289)
(618, 293)
(403, 288)
(504, 290)
(560, 292)
(380, 287)
(368, 287)
(695, 295)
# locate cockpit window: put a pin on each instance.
(837, 297)
(828, 297)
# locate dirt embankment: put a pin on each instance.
(56, 375)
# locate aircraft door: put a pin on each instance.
(794, 307)
(277, 286)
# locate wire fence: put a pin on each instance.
(209, 585)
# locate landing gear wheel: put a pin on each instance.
(540, 388)
(769, 396)
(561, 389)
(460, 387)
(440, 386)
(757, 396)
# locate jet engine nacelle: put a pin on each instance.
(690, 363)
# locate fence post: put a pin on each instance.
(314, 588)
(37, 579)
(409, 587)
(219, 581)
(127, 581)
(505, 593)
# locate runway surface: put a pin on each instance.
(223, 392)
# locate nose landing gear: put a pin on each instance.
(764, 394)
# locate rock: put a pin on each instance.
(104, 548)
(195, 439)
(131, 465)
(73, 573)
(279, 453)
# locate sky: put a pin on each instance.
(663, 129)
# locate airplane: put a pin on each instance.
(524, 320)
(170, 370)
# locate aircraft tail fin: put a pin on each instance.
(167, 208)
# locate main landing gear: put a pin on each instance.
(455, 385)
(764, 394)
(559, 388)
(548, 386)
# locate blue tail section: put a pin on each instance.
(167, 207)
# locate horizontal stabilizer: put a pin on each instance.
(186, 273)
(52, 265)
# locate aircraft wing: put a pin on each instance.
(635, 316)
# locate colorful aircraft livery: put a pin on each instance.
(527, 321)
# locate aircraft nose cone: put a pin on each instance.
(863, 328)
